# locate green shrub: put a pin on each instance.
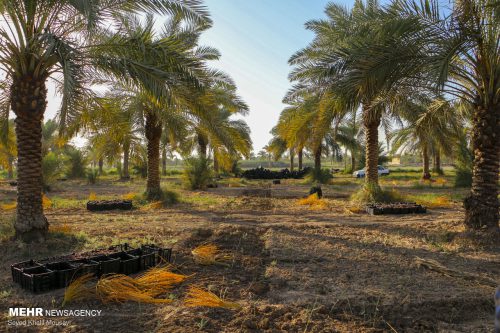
(52, 167)
(463, 178)
(374, 193)
(169, 197)
(321, 176)
(75, 164)
(92, 176)
(141, 170)
(197, 173)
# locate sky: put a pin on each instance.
(256, 38)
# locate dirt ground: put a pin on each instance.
(294, 269)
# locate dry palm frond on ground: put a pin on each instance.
(129, 196)
(7, 207)
(80, 289)
(438, 267)
(153, 205)
(314, 202)
(199, 297)
(158, 280)
(46, 202)
(122, 288)
(209, 254)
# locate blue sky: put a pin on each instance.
(256, 38)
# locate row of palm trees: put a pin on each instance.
(160, 86)
(431, 70)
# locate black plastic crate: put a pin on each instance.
(38, 279)
(147, 257)
(129, 264)
(163, 255)
(103, 205)
(64, 273)
(85, 266)
(17, 269)
(395, 208)
(107, 265)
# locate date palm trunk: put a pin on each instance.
(10, 168)
(101, 164)
(202, 146)
(482, 204)
(216, 164)
(425, 163)
(300, 158)
(126, 157)
(164, 161)
(292, 162)
(353, 161)
(371, 122)
(153, 136)
(28, 101)
(317, 158)
(437, 162)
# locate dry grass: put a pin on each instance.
(314, 202)
(130, 196)
(434, 202)
(61, 228)
(198, 297)
(80, 289)
(154, 206)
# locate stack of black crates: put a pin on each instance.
(54, 273)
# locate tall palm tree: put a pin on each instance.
(427, 124)
(335, 62)
(68, 41)
(228, 138)
(459, 55)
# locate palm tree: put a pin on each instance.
(336, 59)
(459, 55)
(68, 41)
(427, 125)
(213, 125)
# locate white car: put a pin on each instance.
(361, 173)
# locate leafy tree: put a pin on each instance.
(70, 42)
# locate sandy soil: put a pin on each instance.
(293, 269)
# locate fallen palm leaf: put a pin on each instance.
(153, 205)
(437, 267)
(129, 196)
(199, 297)
(122, 288)
(46, 202)
(8, 207)
(209, 254)
(79, 289)
(158, 280)
(314, 202)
